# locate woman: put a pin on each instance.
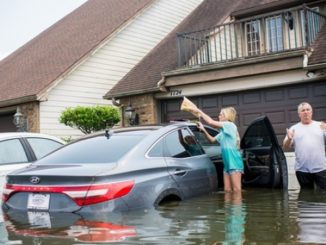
(228, 138)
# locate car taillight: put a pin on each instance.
(82, 194)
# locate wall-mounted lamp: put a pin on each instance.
(20, 121)
(131, 115)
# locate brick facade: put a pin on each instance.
(144, 105)
(32, 112)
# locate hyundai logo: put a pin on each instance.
(34, 180)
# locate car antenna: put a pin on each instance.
(107, 132)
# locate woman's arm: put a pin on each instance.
(209, 120)
(207, 135)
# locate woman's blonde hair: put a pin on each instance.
(230, 113)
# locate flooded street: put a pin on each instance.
(259, 216)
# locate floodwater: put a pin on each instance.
(258, 216)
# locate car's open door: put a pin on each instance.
(264, 161)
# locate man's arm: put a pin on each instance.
(288, 140)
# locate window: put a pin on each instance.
(313, 25)
(213, 150)
(253, 37)
(41, 146)
(99, 149)
(12, 151)
(181, 143)
(157, 150)
(257, 136)
(274, 34)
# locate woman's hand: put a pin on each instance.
(200, 126)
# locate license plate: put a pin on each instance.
(38, 201)
(40, 219)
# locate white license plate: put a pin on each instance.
(38, 201)
(40, 219)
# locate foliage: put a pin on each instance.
(89, 119)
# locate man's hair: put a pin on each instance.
(303, 104)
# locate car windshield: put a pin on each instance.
(99, 149)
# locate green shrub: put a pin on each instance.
(90, 119)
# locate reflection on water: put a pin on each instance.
(235, 213)
(312, 217)
(258, 216)
(79, 229)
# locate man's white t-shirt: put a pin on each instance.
(309, 145)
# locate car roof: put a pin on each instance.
(11, 135)
(141, 129)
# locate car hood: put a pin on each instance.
(66, 169)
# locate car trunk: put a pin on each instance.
(34, 186)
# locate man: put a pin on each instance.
(307, 137)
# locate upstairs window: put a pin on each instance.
(312, 27)
(274, 34)
(253, 34)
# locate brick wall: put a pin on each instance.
(32, 113)
(145, 107)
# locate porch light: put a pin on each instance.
(131, 115)
(20, 121)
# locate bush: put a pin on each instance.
(90, 119)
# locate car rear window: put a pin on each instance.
(98, 149)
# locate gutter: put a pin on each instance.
(131, 93)
(315, 66)
(20, 100)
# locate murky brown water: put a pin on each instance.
(259, 216)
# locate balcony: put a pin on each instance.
(278, 32)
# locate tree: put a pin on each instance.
(89, 119)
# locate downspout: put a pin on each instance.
(161, 86)
(115, 102)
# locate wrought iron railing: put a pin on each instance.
(281, 31)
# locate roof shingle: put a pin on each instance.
(318, 55)
(34, 66)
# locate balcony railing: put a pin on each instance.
(281, 31)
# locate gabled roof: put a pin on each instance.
(318, 55)
(147, 73)
(35, 66)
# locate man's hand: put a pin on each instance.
(287, 142)
(290, 134)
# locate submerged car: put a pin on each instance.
(140, 167)
(18, 149)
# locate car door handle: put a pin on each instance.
(179, 172)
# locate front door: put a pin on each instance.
(264, 160)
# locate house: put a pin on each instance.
(262, 57)
(78, 59)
